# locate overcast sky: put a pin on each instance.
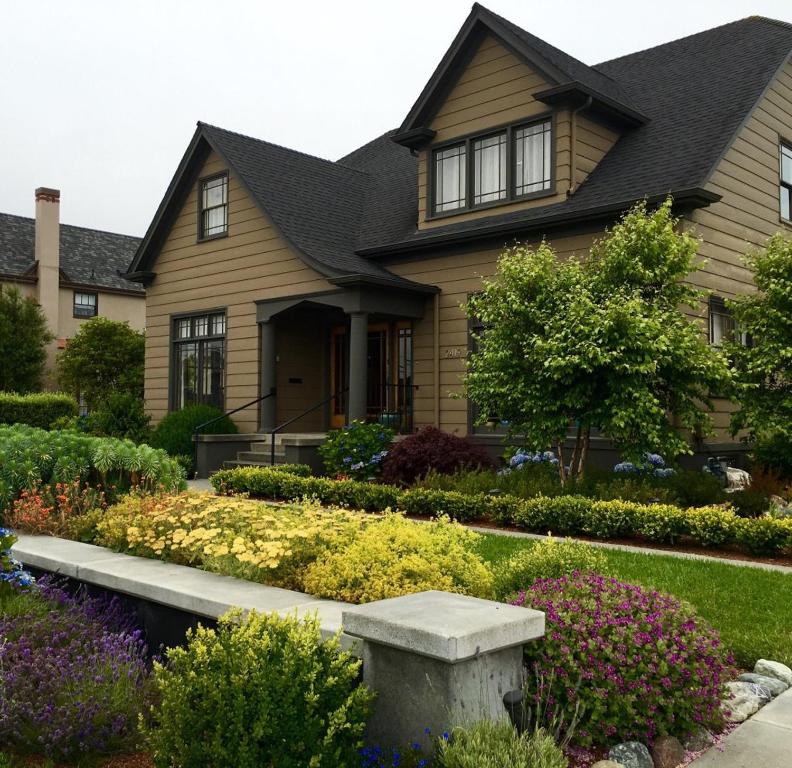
(99, 98)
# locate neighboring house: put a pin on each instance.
(268, 268)
(74, 273)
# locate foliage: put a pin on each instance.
(412, 756)
(23, 340)
(31, 458)
(749, 503)
(233, 536)
(357, 450)
(121, 415)
(104, 357)
(548, 559)
(567, 515)
(39, 409)
(12, 575)
(602, 343)
(763, 369)
(774, 453)
(431, 449)
(74, 676)
(174, 433)
(259, 691)
(51, 509)
(396, 556)
(488, 744)
(649, 665)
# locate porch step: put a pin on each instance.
(261, 456)
(247, 463)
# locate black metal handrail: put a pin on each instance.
(297, 418)
(198, 429)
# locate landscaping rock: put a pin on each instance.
(631, 754)
(742, 702)
(606, 764)
(699, 741)
(773, 684)
(774, 669)
(667, 752)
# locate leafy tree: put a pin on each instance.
(598, 343)
(23, 340)
(763, 369)
(105, 357)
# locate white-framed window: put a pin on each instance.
(85, 304)
(786, 182)
(213, 207)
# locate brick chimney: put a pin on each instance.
(47, 254)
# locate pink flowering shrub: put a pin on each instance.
(638, 663)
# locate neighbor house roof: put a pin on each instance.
(88, 257)
(689, 99)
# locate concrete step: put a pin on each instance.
(261, 456)
(231, 464)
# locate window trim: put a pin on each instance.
(784, 185)
(467, 140)
(173, 340)
(95, 294)
(201, 181)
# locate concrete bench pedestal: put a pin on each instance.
(437, 660)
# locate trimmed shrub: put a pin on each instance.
(431, 449)
(174, 433)
(396, 556)
(257, 692)
(489, 744)
(357, 450)
(548, 559)
(457, 506)
(121, 415)
(638, 663)
(764, 535)
(36, 410)
(749, 503)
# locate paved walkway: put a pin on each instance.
(199, 485)
(764, 741)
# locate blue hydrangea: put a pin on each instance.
(664, 472)
(654, 460)
(625, 467)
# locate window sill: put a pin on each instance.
(492, 206)
(208, 238)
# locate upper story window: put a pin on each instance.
(722, 325)
(213, 203)
(512, 164)
(85, 304)
(786, 182)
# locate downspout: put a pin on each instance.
(436, 371)
(573, 146)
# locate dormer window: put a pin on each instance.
(786, 182)
(512, 164)
(213, 207)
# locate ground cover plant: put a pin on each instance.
(31, 459)
(260, 691)
(749, 607)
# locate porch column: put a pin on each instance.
(358, 354)
(267, 407)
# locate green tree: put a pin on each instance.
(23, 340)
(598, 343)
(105, 357)
(763, 368)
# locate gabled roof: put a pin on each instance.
(88, 257)
(569, 77)
(314, 203)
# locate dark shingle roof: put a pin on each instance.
(87, 256)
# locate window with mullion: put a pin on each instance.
(214, 206)
(199, 360)
(450, 178)
(786, 182)
(532, 158)
(489, 169)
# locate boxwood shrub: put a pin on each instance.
(563, 515)
(36, 410)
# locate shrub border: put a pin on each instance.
(563, 515)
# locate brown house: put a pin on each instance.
(338, 284)
(74, 273)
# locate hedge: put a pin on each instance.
(562, 515)
(36, 410)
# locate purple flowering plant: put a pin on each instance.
(74, 675)
(636, 663)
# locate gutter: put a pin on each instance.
(573, 145)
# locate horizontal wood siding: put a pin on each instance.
(253, 262)
(593, 141)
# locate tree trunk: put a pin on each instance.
(575, 453)
(584, 451)
(561, 471)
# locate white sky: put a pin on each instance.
(99, 98)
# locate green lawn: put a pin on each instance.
(751, 608)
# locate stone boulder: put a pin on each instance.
(774, 669)
(631, 754)
(742, 702)
(667, 752)
(699, 741)
(773, 684)
(606, 764)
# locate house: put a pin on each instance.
(73, 273)
(338, 285)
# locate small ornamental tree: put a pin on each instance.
(105, 357)
(601, 343)
(23, 339)
(763, 368)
